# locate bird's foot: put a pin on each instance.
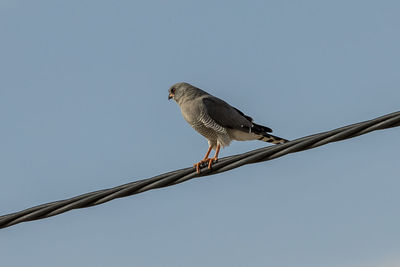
(200, 163)
(207, 160)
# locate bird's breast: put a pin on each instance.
(190, 112)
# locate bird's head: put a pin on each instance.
(181, 92)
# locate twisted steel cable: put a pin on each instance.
(182, 175)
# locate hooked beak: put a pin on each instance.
(170, 95)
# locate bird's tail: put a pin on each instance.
(272, 139)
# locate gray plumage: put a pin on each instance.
(216, 120)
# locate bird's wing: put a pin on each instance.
(225, 115)
(230, 117)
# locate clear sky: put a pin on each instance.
(83, 106)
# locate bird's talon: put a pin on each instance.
(200, 164)
(211, 161)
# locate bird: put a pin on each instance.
(217, 121)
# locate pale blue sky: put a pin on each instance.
(83, 106)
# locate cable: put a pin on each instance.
(182, 175)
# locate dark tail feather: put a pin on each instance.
(265, 136)
(273, 139)
(259, 129)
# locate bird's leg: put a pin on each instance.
(205, 159)
(215, 158)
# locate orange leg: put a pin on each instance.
(215, 158)
(205, 159)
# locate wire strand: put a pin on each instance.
(182, 175)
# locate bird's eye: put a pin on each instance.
(173, 90)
